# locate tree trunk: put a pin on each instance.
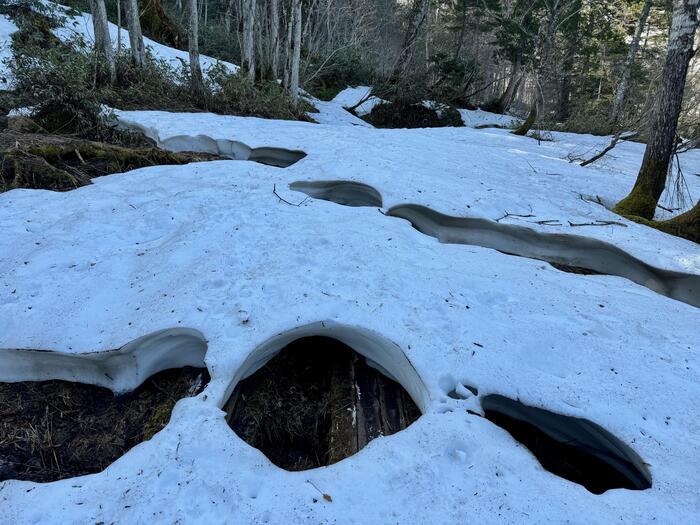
(193, 44)
(228, 15)
(138, 50)
(506, 99)
(119, 27)
(288, 53)
(274, 38)
(629, 62)
(249, 38)
(416, 19)
(686, 225)
(103, 43)
(531, 118)
(296, 51)
(651, 179)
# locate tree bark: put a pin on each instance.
(249, 38)
(296, 51)
(651, 179)
(416, 19)
(138, 50)
(274, 38)
(504, 102)
(103, 43)
(193, 45)
(531, 118)
(629, 62)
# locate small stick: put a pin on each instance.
(274, 192)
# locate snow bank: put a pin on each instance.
(211, 247)
(120, 370)
(351, 96)
(479, 118)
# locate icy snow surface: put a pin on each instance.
(209, 247)
(7, 27)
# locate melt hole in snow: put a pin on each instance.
(345, 192)
(316, 402)
(573, 448)
(51, 430)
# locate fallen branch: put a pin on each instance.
(617, 138)
(274, 192)
(597, 223)
(514, 215)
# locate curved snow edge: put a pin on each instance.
(271, 156)
(573, 250)
(120, 370)
(381, 353)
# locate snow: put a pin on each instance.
(478, 117)
(351, 96)
(209, 247)
(7, 27)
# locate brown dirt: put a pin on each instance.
(302, 409)
(63, 163)
(51, 430)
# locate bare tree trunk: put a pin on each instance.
(288, 52)
(193, 44)
(228, 15)
(506, 99)
(629, 62)
(416, 19)
(249, 38)
(103, 43)
(138, 50)
(296, 51)
(274, 38)
(119, 27)
(651, 179)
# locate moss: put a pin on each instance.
(639, 203)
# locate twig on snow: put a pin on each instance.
(274, 192)
(597, 223)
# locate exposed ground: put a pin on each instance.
(52, 430)
(62, 163)
(315, 403)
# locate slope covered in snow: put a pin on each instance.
(214, 248)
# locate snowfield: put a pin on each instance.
(209, 247)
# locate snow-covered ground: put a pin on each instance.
(209, 247)
(478, 117)
(352, 96)
(7, 27)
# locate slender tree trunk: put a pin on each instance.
(138, 50)
(249, 38)
(629, 63)
(296, 51)
(119, 27)
(193, 44)
(103, 43)
(274, 38)
(651, 179)
(416, 19)
(504, 102)
(288, 52)
(228, 15)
